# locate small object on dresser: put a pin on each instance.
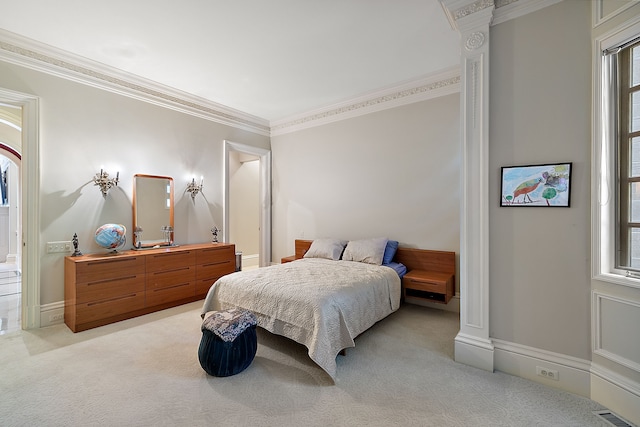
(138, 236)
(76, 252)
(111, 236)
(167, 231)
(214, 232)
(229, 342)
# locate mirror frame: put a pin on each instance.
(135, 212)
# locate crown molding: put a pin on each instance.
(440, 84)
(511, 9)
(505, 10)
(456, 10)
(28, 53)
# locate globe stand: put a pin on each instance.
(120, 246)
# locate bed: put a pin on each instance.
(322, 300)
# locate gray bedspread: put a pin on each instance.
(319, 303)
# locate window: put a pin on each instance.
(616, 156)
(628, 159)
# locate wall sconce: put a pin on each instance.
(105, 183)
(194, 188)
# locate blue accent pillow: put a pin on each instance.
(389, 251)
(401, 269)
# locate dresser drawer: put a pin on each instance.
(170, 260)
(203, 286)
(104, 309)
(111, 268)
(177, 276)
(109, 288)
(423, 285)
(175, 292)
(214, 270)
(216, 254)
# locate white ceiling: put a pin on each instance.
(272, 59)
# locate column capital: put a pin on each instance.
(468, 15)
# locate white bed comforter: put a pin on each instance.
(319, 303)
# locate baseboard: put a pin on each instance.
(474, 351)
(618, 394)
(573, 374)
(52, 314)
(250, 260)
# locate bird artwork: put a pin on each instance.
(536, 185)
(525, 188)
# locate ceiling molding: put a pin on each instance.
(28, 53)
(433, 86)
(460, 9)
(505, 10)
(511, 9)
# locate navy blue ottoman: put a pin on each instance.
(229, 342)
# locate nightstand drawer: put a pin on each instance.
(434, 286)
(423, 285)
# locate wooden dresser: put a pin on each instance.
(106, 288)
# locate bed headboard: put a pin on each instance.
(302, 246)
(414, 259)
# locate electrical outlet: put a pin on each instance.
(58, 247)
(547, 373)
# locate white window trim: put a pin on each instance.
(603, 167)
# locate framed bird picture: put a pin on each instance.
(536, 185)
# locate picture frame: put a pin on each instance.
(543, 185)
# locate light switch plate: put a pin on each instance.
(58, 247)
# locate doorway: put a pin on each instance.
(258, 164)
(28, 239)
(10, 207)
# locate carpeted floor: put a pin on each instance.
(145, 372)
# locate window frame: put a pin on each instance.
(604, 156)
(623, 141)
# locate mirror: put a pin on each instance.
(152, 211)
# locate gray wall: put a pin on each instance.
(83, 128)
(540, 112)
(394, 173)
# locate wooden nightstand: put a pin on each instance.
(431, 285)
(287, 259)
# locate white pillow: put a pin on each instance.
(326, 248)
(369, 251)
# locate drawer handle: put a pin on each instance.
(112, 261)
(172, 287)
(105, 301)
(173, 270)
(216, 263)
(99, 282)
(177, 254)
(216, 249)
(422, 281)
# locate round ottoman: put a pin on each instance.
(228, 343)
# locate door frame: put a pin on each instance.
(265, 196)
(30, 204)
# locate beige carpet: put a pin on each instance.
(145, 372)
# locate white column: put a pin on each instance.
(472, 19)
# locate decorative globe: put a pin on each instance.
(111, 236)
